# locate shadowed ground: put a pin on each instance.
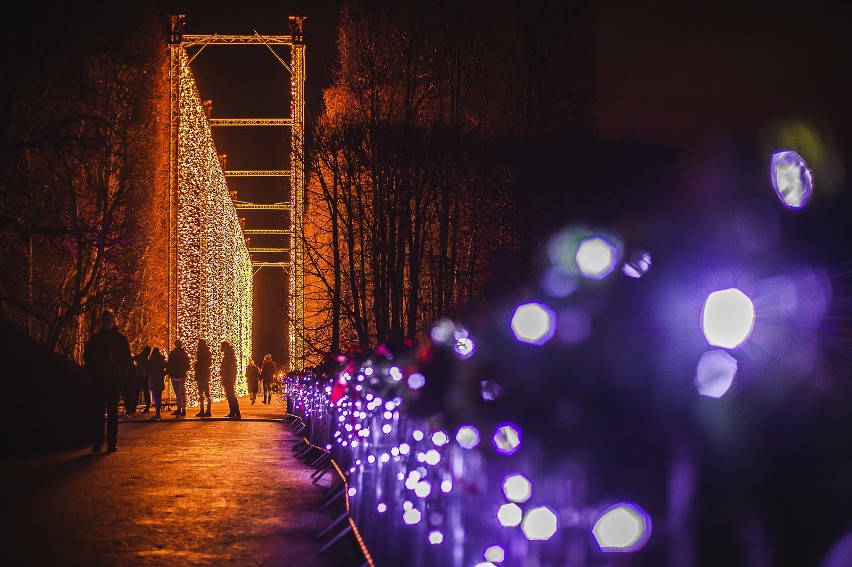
(184, 491)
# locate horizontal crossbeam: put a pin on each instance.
(274, 206)
(266, 231)
(252, 250)
(284, 265)
(189, 40)
(258, 173)
(251, 121)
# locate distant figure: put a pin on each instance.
(228, 372)
(108, 361)
(156, 380)
(267, 373)
(140, 379)
(203, 362)
(252, 379)
(178, 366)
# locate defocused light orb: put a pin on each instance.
(395, 373)
(416, 381)
(382, 508)
(495, 554)
(433, 457)
(439, 438)
(435, 537)
(464, 347)
(485, 564)
(423, 488)
(507, 439)
(411, 516)
(510, 515)
(715, 374)
(490, 390)
(352, 491)
(791, 178)
(622, 527)
(442, 331)
(467, 436)
(728, 318)
(517, 488)
(539, 523)
(446, 485)
(417, 434)
(596, 258)
(533, 323)
(637, 265)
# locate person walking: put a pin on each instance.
(156, 380)
(267, 373)
(228, 373)
(203, 362)
(178, 366)
(140, 378)
(108, 361)
(252, 379)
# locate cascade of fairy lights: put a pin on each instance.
(214, 266)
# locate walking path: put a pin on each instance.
(180, 491)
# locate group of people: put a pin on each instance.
(261, 377)
(115, 372)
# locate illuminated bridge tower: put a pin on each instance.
(293, 229)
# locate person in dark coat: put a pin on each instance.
(140, 380)
(252, 379)
(156, 380)
(108, 361)
(228, 373)
(203, 362)
(267, 374)
(178, 366)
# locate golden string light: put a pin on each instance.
(214, 267)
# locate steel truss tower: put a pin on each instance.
(296, 122)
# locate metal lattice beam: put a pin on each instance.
(251, 121)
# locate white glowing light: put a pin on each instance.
(433, 457)
(484, 564)
(495, 554)
(507, 439)
(395, 373)
(417, 434)
(728, 318)
(404, 448)
(540, 523)
(623, 527)
(517, 488)
(595, 257)
(467, 436)
(371, 459)
(509, 515)
(352, 491)
(464, 347)
(416, 381)
(423, 488)
(440, 438)
(382, 508)
(446, 485)
(791, 178)
(533, 323)
(411, 516)
(384, 457)
(386, 428)
(407, 505)
(715, 373)
(435, 537)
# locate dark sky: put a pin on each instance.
(674, 69)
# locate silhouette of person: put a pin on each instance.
(109, 362)
(203, 362)
(140, 380)
(252, 379)
(156, 380)
(267, 373)
(178, 366)
(228, 372)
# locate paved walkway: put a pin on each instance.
(180, 491)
